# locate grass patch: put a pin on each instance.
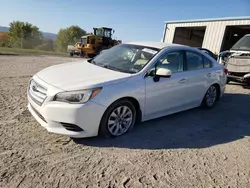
(17, 51)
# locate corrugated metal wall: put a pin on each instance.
(213, 35)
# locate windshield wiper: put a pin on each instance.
(110, 67)
(92, 61)
(115, 69)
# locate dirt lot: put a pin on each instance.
(196, 148)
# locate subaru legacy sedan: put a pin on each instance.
(126, 84)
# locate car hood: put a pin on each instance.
(80, 75)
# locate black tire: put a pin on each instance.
(104, 130)
(82, 54)
(71, 54)
(206, 103)
(91, 55)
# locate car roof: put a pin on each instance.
(159, 45)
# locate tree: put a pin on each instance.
(69, 35)
(24, 35)
(47, 45)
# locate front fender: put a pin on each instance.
(134, 88)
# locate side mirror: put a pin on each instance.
(162, 72)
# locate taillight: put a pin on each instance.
(225, 71)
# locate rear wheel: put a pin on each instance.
(210, 97)
(118, 119)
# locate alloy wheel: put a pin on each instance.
(120, 120)
(211, 96)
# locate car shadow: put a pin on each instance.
(228, 121)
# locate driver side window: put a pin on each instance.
(172, 61)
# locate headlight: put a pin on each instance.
(77, 97)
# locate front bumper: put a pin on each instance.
(53, 117)
(242, 78)
(73, 120)
(75, 52)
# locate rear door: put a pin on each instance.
(199, 71)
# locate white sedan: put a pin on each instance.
(127, 84)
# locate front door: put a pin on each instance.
(166, 94)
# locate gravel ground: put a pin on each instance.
(196, 148)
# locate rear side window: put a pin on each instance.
(195, 61)
(207, 63)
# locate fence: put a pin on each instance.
(29, 43)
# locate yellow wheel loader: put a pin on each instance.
(91, 45)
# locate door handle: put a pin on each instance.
(209, 74)
(183, 80)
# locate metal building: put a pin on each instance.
(215, 34)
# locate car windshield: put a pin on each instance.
(125, 57)
(242, 44)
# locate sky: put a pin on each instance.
(132, 20)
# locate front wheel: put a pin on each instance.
(118, 119)
(210, 97)
(82, 54)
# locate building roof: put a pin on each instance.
(159, 45)
(209, 20)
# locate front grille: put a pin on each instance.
(71, 127)
(37, 92)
